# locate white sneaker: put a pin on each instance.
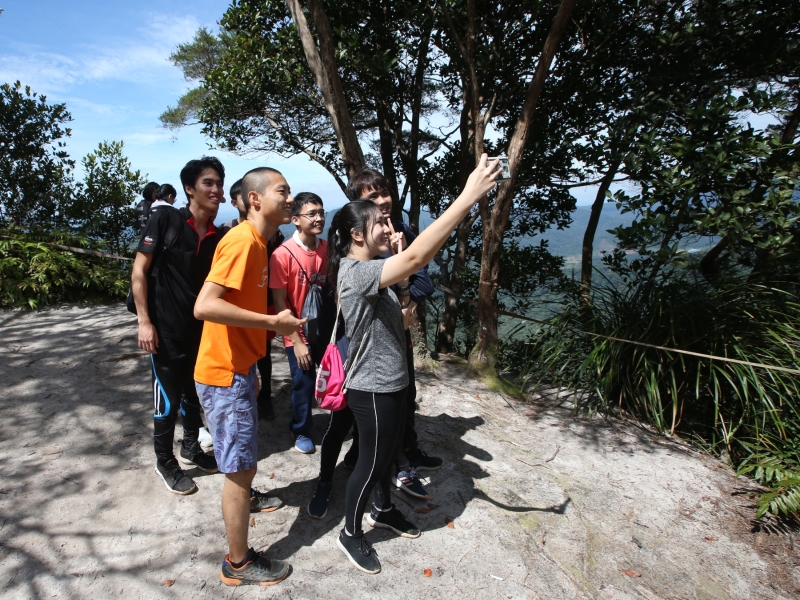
(206, 443)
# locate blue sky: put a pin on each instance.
(108, 61)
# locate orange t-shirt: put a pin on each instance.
(286, 272)
(240, 264)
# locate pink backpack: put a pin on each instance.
(331, 387)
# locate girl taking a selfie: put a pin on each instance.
(378, 375)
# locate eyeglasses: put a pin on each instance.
(313, 215)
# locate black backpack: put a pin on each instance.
(175, 224)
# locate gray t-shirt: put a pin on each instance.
(381, 365)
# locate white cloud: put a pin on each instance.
(140, 57)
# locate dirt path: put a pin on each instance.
(542, 504)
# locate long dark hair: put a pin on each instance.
(358, 215)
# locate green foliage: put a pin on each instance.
(721, 405)
(103, 207)
(774, 462)
(35, 170)
(34, 272)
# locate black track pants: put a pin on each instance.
(340, 423)
(408, 444)
(173, 390)
(265, 371)
(380, 419)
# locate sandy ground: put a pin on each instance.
(532, 501)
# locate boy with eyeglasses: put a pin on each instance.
(295, 266)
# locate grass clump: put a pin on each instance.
(751, 413)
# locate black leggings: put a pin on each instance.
(173, 392)
(380, 419)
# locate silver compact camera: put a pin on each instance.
(505, 173)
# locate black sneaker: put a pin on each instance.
(394, 520)
(264, 403)
(422, 462)
(175, 479)
(260, 502)
(360, 553)
(318, 506)
(195, 457)
(409, 482)
(351, 458)
(257, 570)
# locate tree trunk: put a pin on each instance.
(412, 169)
(484, 355)
(587, 250)
(386, 145)
(445, 336)
(323, 64)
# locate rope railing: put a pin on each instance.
(635, 343)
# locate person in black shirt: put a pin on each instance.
(172, 261)
(143, 208)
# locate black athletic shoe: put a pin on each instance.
(264, 403)
(318, 505)
(360, 553)
(394, 520)
(422, 462)
(195, 457)
(258, 570)
(175, 479)
(260, 502)
(351, 458)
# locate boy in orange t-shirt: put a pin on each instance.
(233, 304)
(295, 266)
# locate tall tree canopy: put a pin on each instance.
(645, 91)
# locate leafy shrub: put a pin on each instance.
(720, 405)
(34, 272)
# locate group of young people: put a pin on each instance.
(204, 298)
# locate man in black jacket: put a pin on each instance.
(172, 261)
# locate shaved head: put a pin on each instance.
(256, 180)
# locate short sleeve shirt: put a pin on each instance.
(381, 365)
(241, 265)
(294, 269)
(177, 274)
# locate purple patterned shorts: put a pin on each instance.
(232, 416)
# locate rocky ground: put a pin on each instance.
(532, 502)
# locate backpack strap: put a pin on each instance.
(308, 279)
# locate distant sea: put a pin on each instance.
(565, 242)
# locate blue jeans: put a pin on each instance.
(303, 385)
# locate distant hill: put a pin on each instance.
(566, 242)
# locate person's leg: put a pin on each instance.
(351, 457)
(166, 394)
(382, 497)
(338, 426)
(377, 416)
(233, 416)
(166, 400)
(264, 400)
(303, 383)
(409, 440)
(236, 512)
(331, 446)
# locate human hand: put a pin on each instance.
(303, 357)
(285, 323)
(483, 178)
(397, 241)
(148, 338)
